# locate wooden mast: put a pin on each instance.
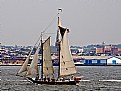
(59, 42)
(42, 57)
(58, 52)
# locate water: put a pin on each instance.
(96, 78)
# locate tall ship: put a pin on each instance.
(46, 74)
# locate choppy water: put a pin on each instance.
(93, 80)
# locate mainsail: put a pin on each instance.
(33, 69)
(67, 66)
(47, 60)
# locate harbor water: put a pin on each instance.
(95, 78)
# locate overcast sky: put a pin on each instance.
(89, 21)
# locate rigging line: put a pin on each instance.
(35, 45)
(44, 30)
(37, 41)
(50, 23)
(46, 34)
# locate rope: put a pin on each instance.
(46, 28)
(50, 23)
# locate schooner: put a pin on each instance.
(66, 63)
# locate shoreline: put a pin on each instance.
(57, 65)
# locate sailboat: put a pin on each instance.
(66, 63)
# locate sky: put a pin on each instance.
(89, 21)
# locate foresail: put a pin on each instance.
(47, 60)
(24, 67)
(67, 66)
(33, 69)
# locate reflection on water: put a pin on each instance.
(96, 78)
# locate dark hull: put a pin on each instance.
(55, 82)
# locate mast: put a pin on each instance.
(42, 57)
(58, 40)
(58, 52)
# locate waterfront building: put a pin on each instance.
(97, 60)
(108, 50)
(114, 61)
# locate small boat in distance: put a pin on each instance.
(46, 74)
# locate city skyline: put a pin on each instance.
(89, 21)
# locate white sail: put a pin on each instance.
(47, 60)
(67, 66)
(24, 67)
(33, 69)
